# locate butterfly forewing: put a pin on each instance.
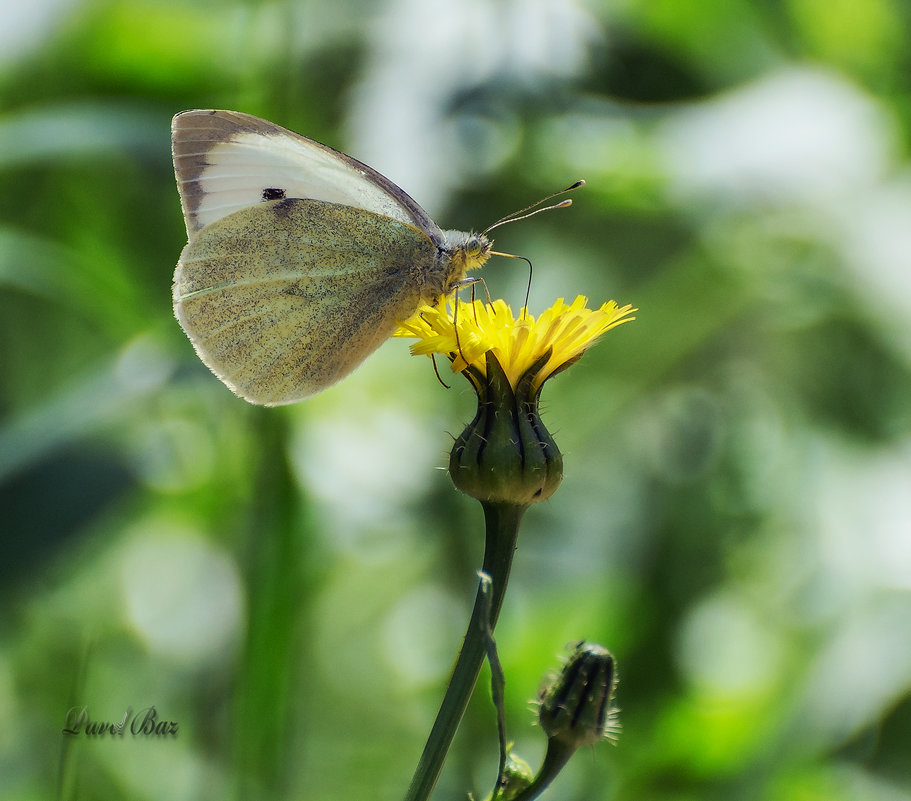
(283, 298)
(226, 161)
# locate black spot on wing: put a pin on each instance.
(273, 193)
(285, 206)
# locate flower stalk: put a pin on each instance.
(507, 460)
(501, 532)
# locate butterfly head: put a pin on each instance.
(476, 250)
(467, 251)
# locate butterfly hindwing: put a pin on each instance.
(284, 298)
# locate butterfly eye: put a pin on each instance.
(474, 246)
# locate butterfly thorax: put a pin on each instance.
(460, 252)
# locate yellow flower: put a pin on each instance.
(506, 455)
(465, 332)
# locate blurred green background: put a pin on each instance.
(290, 585)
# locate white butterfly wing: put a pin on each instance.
(226, 161)
(286, 297)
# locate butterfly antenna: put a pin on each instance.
(530, 211)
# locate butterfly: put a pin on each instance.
(300, 260)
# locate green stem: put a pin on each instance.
(502, 530)
(557, 756)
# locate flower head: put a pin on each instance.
(465, 332)
(506, 455)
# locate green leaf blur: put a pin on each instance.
(289, 586)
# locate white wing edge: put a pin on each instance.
(227, 160)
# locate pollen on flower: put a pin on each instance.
(464, 332)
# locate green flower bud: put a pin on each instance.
(506, 455)
(576, 709)
(517, 776)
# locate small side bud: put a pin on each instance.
(517, 777)
(577, 708)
